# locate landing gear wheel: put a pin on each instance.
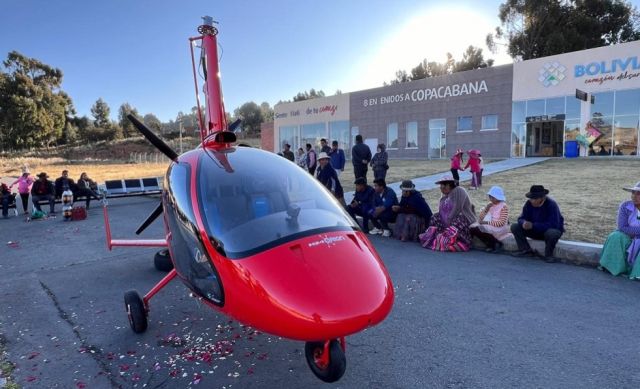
(328, 369)
(136, 311)
(162, 261)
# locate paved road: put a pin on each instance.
(468, 320)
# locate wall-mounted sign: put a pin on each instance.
(426, 94)
(545, 118)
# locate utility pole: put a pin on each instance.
(180, 123)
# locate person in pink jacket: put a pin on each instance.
(474, 167)
(24, 187)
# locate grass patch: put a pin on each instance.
(588, 191)
(6, 367)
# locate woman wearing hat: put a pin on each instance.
(449, 227)
(414, 214)
(456, 164)
(620, 252)
(493, 221)
(329, 178)
(24, 187)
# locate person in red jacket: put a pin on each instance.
(474, 167)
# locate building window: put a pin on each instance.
(311, 134)
(392, 136)
(288, 134)
(339, 130)
(464, 124)
(412, 135)
(489, 122)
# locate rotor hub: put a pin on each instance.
(207, 30)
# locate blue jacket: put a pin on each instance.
(337, 159)
(386, 199)
(360, 152)
(544, 217)
(416, 204)
(365, 197)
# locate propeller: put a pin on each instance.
(236, 123)
(150, 219)
(153, 138)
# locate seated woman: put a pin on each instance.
(493, 222)
(449, 227)
(413, 213)
(620, 252)
(87, 187)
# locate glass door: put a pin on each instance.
(437, 138)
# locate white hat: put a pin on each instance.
(636, 188)
(25, 169)
(323, 156)
(497, 193)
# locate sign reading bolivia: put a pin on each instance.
(442, 92)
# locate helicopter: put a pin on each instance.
(258, 239)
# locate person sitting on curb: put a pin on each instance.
(621, 251)
(43, 189)
(329, 178)
(449, 227)
(413, 213)
(383, 201)
(362, 203)
(493, 221)
(541, 220)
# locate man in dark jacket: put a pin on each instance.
(337, 157)
(43, 189)
(64, 182)
(362, 204)
(324, 147)
(360, 157)
(287, 153)
(540, 219)
(383, 202)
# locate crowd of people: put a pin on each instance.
(454, 224)
(44, 190)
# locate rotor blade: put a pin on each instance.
(154, 215)
(153, 138)
(232, 126)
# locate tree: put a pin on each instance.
(539, 28)
(100, 112)
(312, 94)
(150, 120)
(32, 104)
(128, 129)
(472, 59)
(267, 112)
(426, 69)
(251, 116)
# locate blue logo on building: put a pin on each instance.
(605, 67)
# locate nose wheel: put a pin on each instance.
(326, 359)
(136, 311)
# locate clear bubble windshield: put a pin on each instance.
(252, 200)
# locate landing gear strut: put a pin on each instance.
(326, 359)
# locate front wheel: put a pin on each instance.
(136, 311)
(329, 368)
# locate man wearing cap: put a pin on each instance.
(383, 201)
(360, 158)
(541, 220)
(43, 189)
(337, 157)
(328, 177)
(362, 204)
(324, 147)
(621, 252)
(287, 153)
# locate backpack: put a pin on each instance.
(78, 213)
(35, 215)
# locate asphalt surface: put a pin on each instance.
(460, 320)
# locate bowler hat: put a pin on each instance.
(537, 191)
(444, 179)
(407, 185)
(43, 174)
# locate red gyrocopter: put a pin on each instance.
(259, 239)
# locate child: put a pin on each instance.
(474, 167)
(456, 164)
(481, 170)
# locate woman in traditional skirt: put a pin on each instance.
(620, 251)
(449, 227)
(413, 213)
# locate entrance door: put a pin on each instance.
(544, 139)
(437, 138)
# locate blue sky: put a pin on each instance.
(138, 52)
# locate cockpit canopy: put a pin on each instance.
(252, 200)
